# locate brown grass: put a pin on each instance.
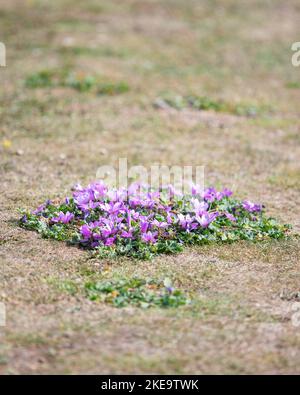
(234, 51)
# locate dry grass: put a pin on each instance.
(234, 51)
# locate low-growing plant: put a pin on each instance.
(79, 81)
(206, 103)
(136, 292)
(293, 84)
(110, 88)
(141, 223)
(41, 79)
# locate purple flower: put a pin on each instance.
(82, 197)
(251, 207)
(227, 192)
(171, 190)
(144, 225)
(144, 214)
(205, 219)
(39, 209)
(108, 230)
(196, 190)
(126, 235)
(230, 217)
(134, 214)
(63, 218)
(95, 244)
(153, 195)
(128, 217)
(149, 237)
(97, 236)
(85, 231)
(113, 208)
(147, 203)
(187, 222)
(209, 195)
(110, 241)
(24, 219)
(99, 190)
(170, 289)
(86, 207)
(135, 202)
(219, 195)
(133, 189)
(160, 225)
(170, 218)
(199, 207)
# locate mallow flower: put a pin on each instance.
(63, 218)
(85, 232)
(230, 216)
(199, 207)
(251, 207)
(226, 192)
(205, 219)
(209, 194)
(149, 237)
(187, 222)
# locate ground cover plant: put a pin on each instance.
(79, 81)
(197, 102)
(137, 292)
(142, 222)
(122, 291)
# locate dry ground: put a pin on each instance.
(238, 51)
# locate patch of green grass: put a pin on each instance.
(271, 122)
(122, 292)
(27, 339)
(293, 85)
(149, 293)
(68, 286)
(290, 178)
(40, 79)
(79, 81)
(271, 57)
(136, 292)
(214, 304)
(208, 104)
(134, 362)
(3, 360)
(95, 52)
(111, 88)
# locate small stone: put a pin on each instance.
(161, 104)
(103, 151)
(68, 41)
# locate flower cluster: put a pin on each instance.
(141, 222)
